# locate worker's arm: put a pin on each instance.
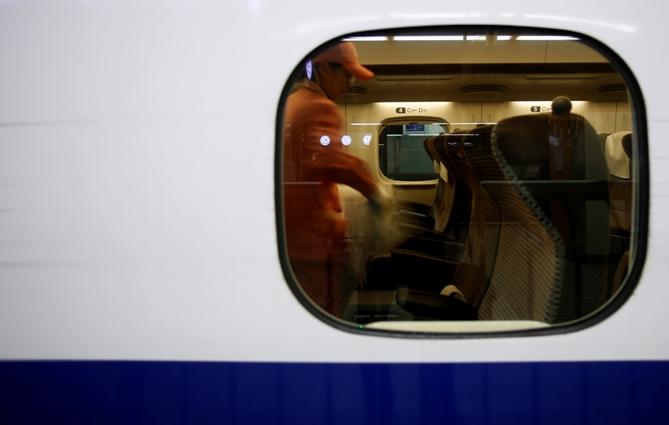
(331, 163)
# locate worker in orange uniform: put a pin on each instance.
(314, 163)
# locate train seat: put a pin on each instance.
(618, 150)
(429, 254)
(447, 201)
(442, 206)
(602, 137)
(560, 160)
(618, 153)
(471, 216)
(476, 264)
(511, 266)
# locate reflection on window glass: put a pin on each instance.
(425, 193)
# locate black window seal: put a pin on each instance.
(640, 207)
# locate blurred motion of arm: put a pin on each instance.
(330, 164)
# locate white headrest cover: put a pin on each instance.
(616, 157)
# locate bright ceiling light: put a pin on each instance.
(428, 38)
(367, 38)
(544, 38)
(504, 37)
(476, 38)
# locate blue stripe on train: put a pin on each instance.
(115, 392)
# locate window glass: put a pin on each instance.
(402, 155)
(457, 181)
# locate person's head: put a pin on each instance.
(337, 67)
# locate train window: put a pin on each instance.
(468, 180)
(402, 156)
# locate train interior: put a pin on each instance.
(509, 162)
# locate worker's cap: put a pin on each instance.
(346, 55)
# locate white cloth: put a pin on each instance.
(616, 157)
(452, 290)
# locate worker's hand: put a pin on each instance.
(382, 227)
(382, 202)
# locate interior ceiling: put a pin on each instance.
(475, 72)
(499, 85)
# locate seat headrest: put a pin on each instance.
(618, 155)
(602, 138)
(627, 144)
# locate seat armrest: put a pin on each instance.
(413, 221)
(413, 207)
(408, 268)
(430, 306)
(444, 250)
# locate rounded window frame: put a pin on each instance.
(640, 206)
